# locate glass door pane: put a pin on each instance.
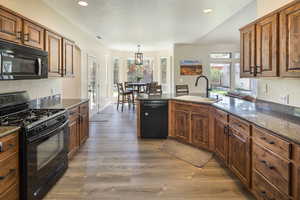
(93, 84)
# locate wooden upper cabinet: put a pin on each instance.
(53, 46)
(247, 51)
(267, 36)
(200, 130)
(10, 27)
(290, 41)
(68, 57)
(33, 35)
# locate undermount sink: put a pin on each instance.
(197, 99)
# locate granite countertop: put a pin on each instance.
(57, 103)
(286, 125)
(6, 130)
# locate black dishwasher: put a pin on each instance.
(154, 119)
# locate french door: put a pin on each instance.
(93, 84)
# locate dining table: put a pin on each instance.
(137, 85)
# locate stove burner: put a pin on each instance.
(27, 117)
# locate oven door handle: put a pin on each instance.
(46, 137)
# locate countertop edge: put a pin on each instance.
(77, 104)
(8, 132)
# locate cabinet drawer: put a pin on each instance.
(275, 144)
(8, 145)
(73, 113)
(11, 194)
(239, 125)
(262, 189)
(84, 108)
(201, 109)
(8, 172)
(221, 115)
(275, 169)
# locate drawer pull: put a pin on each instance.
(11, 171)
(267, 164)
(271, 142)
(10, 145)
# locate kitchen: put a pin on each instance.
(62, 136)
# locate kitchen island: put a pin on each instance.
(259, 142)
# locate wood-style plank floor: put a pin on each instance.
(115, 165)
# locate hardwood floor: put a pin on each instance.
(115, 165)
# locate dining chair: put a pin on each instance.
(182, 90)
(124, 96)
(151, 87)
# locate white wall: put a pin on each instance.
(277, 87)
(41, 13)
(201, 53)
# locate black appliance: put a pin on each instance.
(20, 62)
(154, 119)
(43, 143)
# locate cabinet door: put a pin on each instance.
(73, 138)
(200, 130)
(239, 155)
(54, 48)
(182, 130)
(290, 41)
(267, 47)
(247, 51)
(68, 57)
(33, 35)
(10, 27)
(84, 128)
(221, 139)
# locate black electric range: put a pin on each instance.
(43, 143)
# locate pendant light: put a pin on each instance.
(138, 56)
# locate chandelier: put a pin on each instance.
(138, 56)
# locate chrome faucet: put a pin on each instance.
(207, 83)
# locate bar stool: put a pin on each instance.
(124, 96)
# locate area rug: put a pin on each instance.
(196, 157)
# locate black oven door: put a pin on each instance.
(47, 160)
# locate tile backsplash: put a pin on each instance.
(35, 88)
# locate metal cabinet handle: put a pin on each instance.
(10, 145)
(267, 164)
(26, 37)
(1, 147)
(146, 114)
(11, 171)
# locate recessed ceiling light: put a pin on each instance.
(208, 10)
(83, 3)
(98, 37)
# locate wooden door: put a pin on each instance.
(247, 64)
(54, 48)
(267, 36)
(84, 128)
(10, 27)
(239, 155)
(68, 57)
(200, 130)
(33, 35)
(73, 138)
(290, 41)
(221, 140)
(182, 127)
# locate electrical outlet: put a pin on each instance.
(266, 90)
(53, 91)
(285, 99)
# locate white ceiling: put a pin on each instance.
(155, 24)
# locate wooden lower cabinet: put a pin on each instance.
(239, 157)
(78, 127)
(9, 167)
(73, 137)
(221, 139)
(200, 130)
(182, 120)
(263, 190)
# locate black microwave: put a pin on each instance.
(20, 62)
